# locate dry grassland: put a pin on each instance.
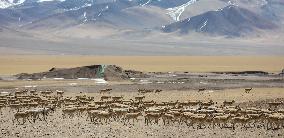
(30, 64)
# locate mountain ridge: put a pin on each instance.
(138, 15)
(230, 21)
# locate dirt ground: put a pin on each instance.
(56, 126)
(175, 83)
(79, 126)
(14, 64)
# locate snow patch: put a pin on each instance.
(100, 81)
(176, 12)
(204, 24)
(146, 3)
(72, 84)
(85, 17)
(30, 86)
(82, 78)
(188, 19)
(50, 0)
(203, 82)
(145, 82)
(58, 78)
(78, 8)
(9, 3)
(4, 92)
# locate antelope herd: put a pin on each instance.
(30, 106)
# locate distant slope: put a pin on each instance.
(273, 10)
(107, 18)
(116, 15)
(108, 72)
(229, 21)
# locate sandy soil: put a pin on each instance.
(14, 64)
(176, 86)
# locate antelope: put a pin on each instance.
(92, 114)
(104, 115)
(133, 116)
(23, 115)
(139, 98)
(117, 98)
(274, 104)
(105, 98)
(16, 106)
(201, 89)
(193, 103)
(220, 120)
(228, 103)
(68, 111)
(147, 91)
(60, 93)
(158, 90)
(105, 91)
(152, 116)
(167, 117)
(239, 120)
(186, 116)
(199, 119)
(247, 90)
(1, 106)
(120, 112)
(208, 103)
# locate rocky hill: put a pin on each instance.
(108, 72)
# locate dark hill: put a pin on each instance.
(109, 72)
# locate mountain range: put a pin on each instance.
(231, 18)
(140, 23)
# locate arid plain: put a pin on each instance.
(180, 96)
(13, 64)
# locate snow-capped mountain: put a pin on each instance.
(10, 3)
(229, 21)
(203, 16)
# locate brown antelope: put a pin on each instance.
(158, 90)
(104, 115)
(1, 106)
(139, 98)
(105, 91)
(220, 120)
(147, 90)
(105, 98)
(274, 105)
(60, 93)
(239, 120)
(70, 111)
(247, 90)
(152, 116)
(201, 89)
(23, 115)
(133, 116)
(167, 118)
(198, 119)
(228, 103)
(117, 98)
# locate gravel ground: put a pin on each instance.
(174, 86)
(56, 126)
